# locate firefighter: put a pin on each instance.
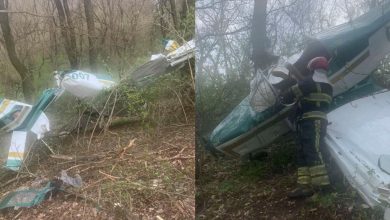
(313, 96)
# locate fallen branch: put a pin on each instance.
(123, 150)
(17, 216)
(178, 158)
(84, 164)
(61, 157)
(13, 180)
(177, 155)
(66, 157)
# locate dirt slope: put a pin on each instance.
(130, 172)
(231, 189)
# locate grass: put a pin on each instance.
(325, 200)
(253, 170)
(226, 186)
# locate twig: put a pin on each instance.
(179, 125)
(99, 118)
(24, 165)
(61, 157)
(178, 206)
(178, 158)
(12, 180)
(26, 12)
(17, 216)
(170, 144)
(129, 182)
(112, 112)
(79, 165)
(66, 157)
(109, 176)
(94, 183)
(123, 150)
(167, 149)
(48, 147)
(181, 103)
(191, 73)
(181, 151)
(93, 167)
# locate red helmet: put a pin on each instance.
(318, 63)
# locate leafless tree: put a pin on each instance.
(261, 54)
(67, 31)
(92, 52)
(25, 74)
(100, 35)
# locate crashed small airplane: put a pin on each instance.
(359, 121)
(29, 123)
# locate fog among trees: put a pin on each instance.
(224, 31)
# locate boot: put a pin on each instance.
(303, 189)
(319, 177)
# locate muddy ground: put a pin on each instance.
(232, 189)
(130, 172)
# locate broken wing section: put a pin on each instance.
(12, 114)
(357, 137)
(13, 146)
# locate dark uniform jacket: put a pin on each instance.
(313, 98)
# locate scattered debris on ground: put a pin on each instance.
(128, 172)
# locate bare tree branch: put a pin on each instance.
(242, 29)
(26, 12)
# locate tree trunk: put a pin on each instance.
(261, 56)
(72, 34)
(174, 13)
(25, 75)
(161, 5)
(67, 32)
(91, 35)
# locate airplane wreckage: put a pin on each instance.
(21, 124)
(358, 136)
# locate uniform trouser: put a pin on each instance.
(311, 167)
